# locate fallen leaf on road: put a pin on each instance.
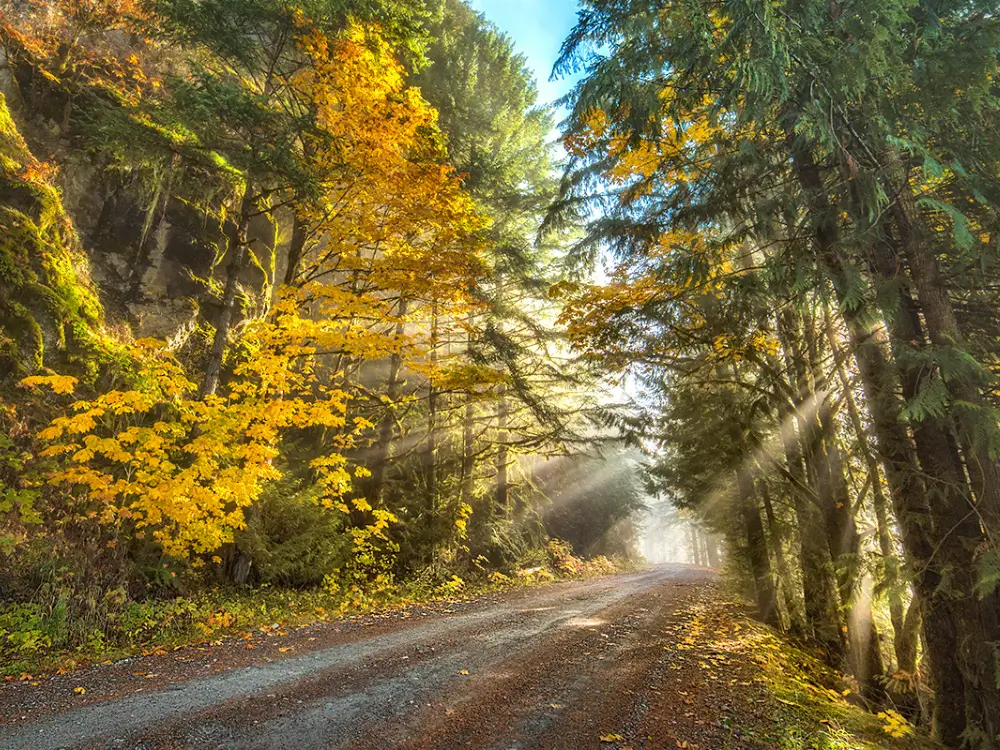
(80, 691)
(286, 649)
(463, 671)
(609, 738)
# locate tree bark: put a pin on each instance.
(295, 251)
(237, 248)
(501, 492)
(806, 461)
(760, 563)
(468, 446)
(980, 617)
(712, 550)
(430, 445)
(890, 564)
(386, 426)
(468, 452)
(907, 489)
(796, 617)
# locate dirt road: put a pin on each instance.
(559, 666)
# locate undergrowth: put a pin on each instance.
(812, 707)
(37, 637)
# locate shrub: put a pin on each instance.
(292, 540)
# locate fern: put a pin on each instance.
(988, 563)
(931, 401)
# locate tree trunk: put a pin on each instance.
(501, 493)
(907, 489)
(793, 607)
(760, 563)
(712, 550)
(430, 445)
(865, 656)
(468, 452)
(889, 562)
(386, 426)
(906, 646)
(979, 625)
(237, 248)
(468, 468)
(295, 251)
(806, 461)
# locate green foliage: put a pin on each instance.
(825, 157)
(291, 539)
(989, 571)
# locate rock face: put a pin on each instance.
(49, 308)
(147, 261)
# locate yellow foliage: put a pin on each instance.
(391, 223)
(61, 384)
(894, 725)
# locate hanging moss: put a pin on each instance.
(49, 311)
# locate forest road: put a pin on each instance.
(557, 666)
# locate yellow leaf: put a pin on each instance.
(611, 738)
(80, 691)
(463, 671)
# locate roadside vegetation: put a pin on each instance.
(795, 700)
(41, 639)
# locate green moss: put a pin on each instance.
(814, 707)
(49, 311)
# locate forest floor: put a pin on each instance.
(655, 659)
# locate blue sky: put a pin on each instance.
(538, 28)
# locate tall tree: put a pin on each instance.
(814, 138)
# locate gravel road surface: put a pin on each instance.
(558, 666)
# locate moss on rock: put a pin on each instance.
(49, 310)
